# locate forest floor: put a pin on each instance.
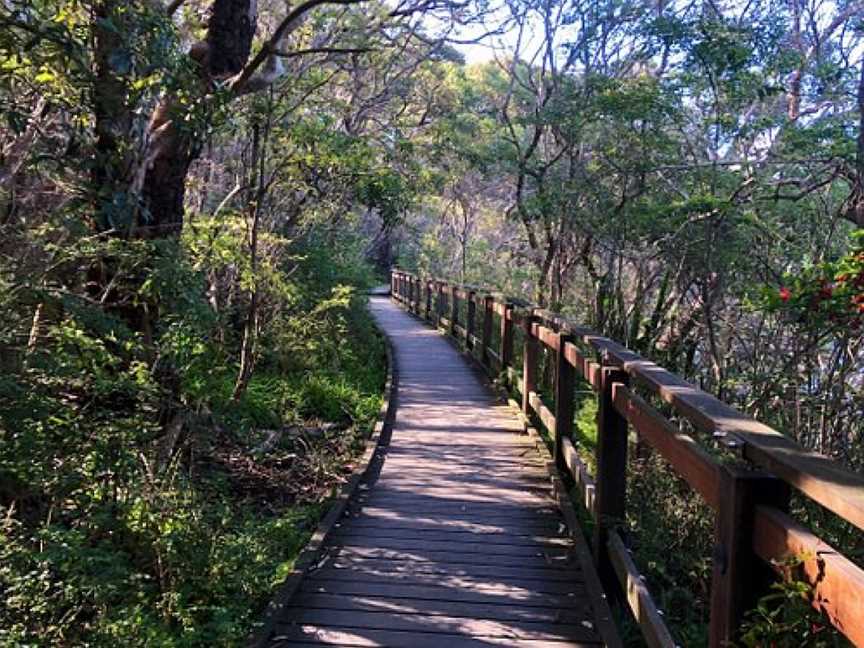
(191, 555)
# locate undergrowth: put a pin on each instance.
(120, 526)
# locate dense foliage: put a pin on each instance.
(686, 179)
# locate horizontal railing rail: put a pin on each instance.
(750, 497)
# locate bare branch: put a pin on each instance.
(268, 52)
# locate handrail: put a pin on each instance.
(751, 527)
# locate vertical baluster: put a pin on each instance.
(454, 310)
(530, 352)
(506, 351)
(488, 302)
(469, 324)
(611, 473)
(564, 383)
(739, 577)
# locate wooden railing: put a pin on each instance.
(749, 497)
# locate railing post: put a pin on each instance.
(439, 306)
(454, 311)
(415, 295)
(469, 323)
(428, 300)
(408, 292)
(611, 474)
(739, 577)
(488, 301)
(529, 362)
(506, 336)
(392, 283)
(564, 383)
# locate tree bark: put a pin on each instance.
(855, 212)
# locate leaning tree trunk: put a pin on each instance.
(223, 54)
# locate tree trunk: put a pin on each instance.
(170, 151)
(248, 350)
(855, 212)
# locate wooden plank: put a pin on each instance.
(470, 538)
(638, 598)
(473, 515)
(690, 461)
(477, 510)
(514, 612)
(309, 634)
(424, 474)
(838, 583)
(545, 559)
(423, 622)
(506, 572)
(541, 526)
(493, 594)
(463, 583)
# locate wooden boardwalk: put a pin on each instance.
(458, 541)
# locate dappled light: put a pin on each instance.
(457, 539)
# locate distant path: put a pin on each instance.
(458, 543)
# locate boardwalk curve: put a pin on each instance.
(458, 541)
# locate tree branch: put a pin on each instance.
(270, 48)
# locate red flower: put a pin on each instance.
(785, 293)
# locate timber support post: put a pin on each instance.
(564, 384)
(454, 310)
(469, 323)
(530, 352)
(738, 576)
(610, 504)
(506, 336)
(428, 312)
(488, 302)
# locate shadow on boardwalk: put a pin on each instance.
(455, 540)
